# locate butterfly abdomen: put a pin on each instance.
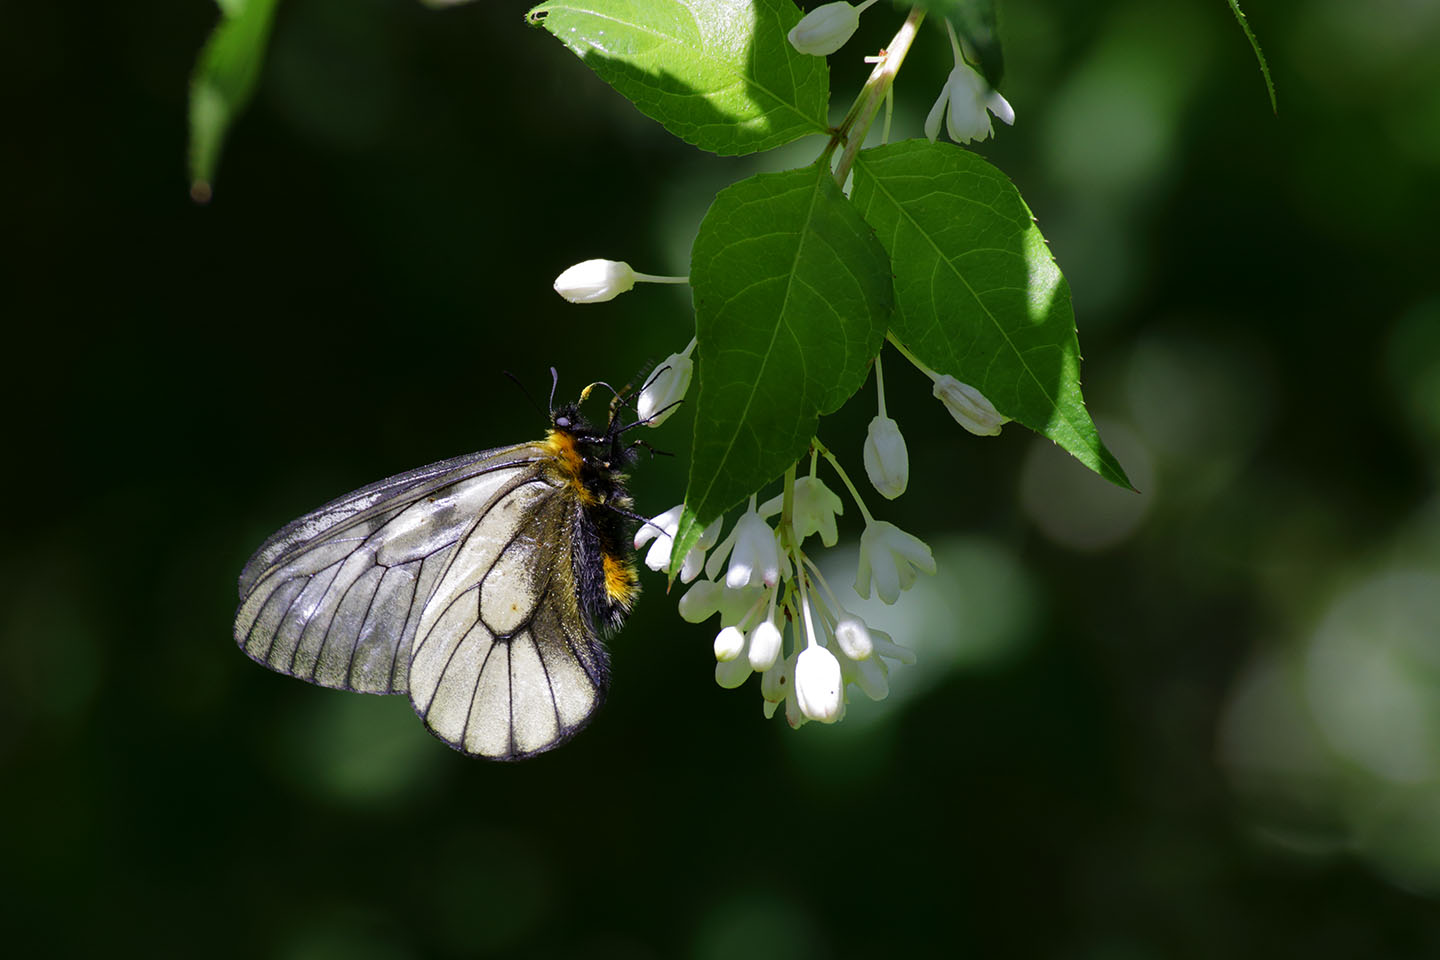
(604, 563)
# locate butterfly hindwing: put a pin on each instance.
(505, 665)
(336, 596)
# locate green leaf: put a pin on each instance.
(1241, 19)
(974, 20)
(717, 73)
(224, 80)
(792, 298)
(977, 295)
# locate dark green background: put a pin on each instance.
(1258, 303)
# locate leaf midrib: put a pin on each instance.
(769, 351)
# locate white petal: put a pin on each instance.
(999, 106)
(937, 113)
(732, 673)
(701, 602)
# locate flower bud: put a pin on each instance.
(853, 637)
(665, 388)
(764, 645)
(825, 29)
(729, 644)
(969, 407)
(818, 685)
(595, 281)
(887, 462)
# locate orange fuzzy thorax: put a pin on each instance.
(569, 464)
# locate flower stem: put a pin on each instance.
(844, 477)
(880, 384)
(652, 278)
(895, 342)
(856, 125)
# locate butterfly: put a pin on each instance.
(479, 586)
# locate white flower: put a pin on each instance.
(891, 557)
(662, 530)
(764, 648)
(665, 388)
(595, 281)
(887, 462)
(816, 507)
(970, 408)
(969, 98)
(819, 687)
(755, 559)
(827, 28)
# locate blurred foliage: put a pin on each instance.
(1196, 722)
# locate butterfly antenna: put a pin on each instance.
(528, 395)
(653, 377)
(632, 515)
(554, 382)
(653, 417)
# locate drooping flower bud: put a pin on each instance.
(970, 408)
(818, 684)
(887, 462)
(665, 388)
(853, 638)
(764, 645)
(729, 644)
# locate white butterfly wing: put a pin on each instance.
(336, 597)
(505, 665)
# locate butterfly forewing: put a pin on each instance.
(504, 664)
(336, 597)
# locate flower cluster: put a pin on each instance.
(778, 615)
(764, 584)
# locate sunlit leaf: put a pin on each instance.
(792, 298)
(977, 295)
(719, 74)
